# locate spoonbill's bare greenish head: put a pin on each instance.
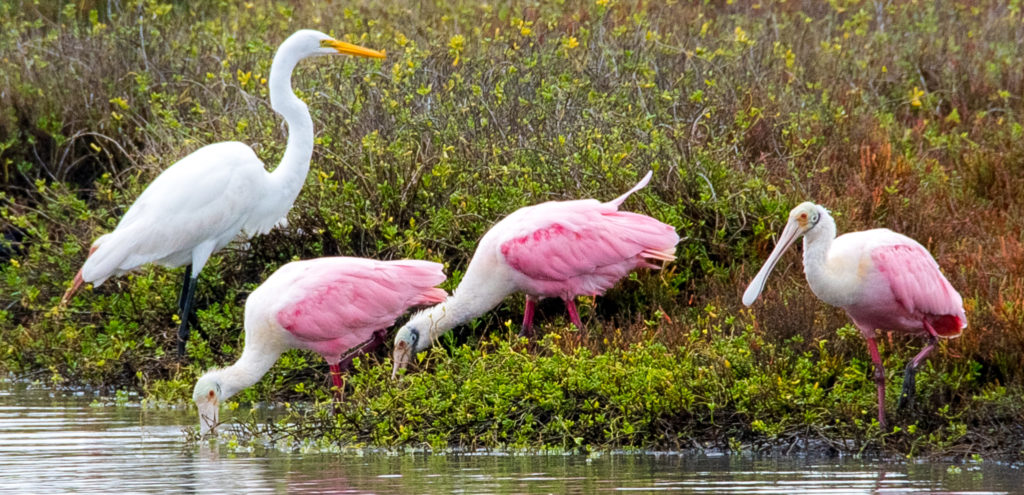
(802, 219)
(208, 396)
(406, 346)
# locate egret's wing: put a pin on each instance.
(205, 196)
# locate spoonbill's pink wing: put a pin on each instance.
(919, 286)
(336, 303)
(587, 238)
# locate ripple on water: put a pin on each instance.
(55, 443)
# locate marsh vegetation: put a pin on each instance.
(906, 115)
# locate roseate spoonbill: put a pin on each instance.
(326, 305)
(882, 279)
(218, 193)
(555, 249)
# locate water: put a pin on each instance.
(53, 442)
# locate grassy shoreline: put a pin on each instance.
(908, 116)
(730, 392)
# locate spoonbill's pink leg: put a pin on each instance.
(339, 384)
(879, 380)
(910, 375)
(369, 346)
(570, 305)
(527, 330)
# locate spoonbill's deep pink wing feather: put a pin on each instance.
(334, 304)
(587, 246)
(919, 286)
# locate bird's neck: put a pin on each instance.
(818, 241)
(481, 289)
(824, 283)
(290, 174)
(257, 358)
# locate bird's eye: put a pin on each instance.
(211, 394)
(803, 216)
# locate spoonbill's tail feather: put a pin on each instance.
(429, 297)
(663, 254)
(639, 185)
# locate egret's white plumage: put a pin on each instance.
(218, 193)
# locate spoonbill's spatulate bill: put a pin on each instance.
(884, 281)
(556, 249)
(216, 194)
(325, 305)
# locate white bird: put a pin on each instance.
(555, 249)
(216, 194)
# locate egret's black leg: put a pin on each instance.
(193, 322)
(193, 319)
(186, 311)
(910, 375)
(184, 286)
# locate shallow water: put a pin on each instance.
(53, 442)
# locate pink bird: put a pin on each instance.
(556, 249)
(325, 305)
(884, 281)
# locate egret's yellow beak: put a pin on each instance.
(350, 49)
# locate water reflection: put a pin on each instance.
(53, 442)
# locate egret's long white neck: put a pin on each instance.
(290, 174)
(480, 290)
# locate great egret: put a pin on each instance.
(216, 194)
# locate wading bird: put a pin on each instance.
(325, 305)
(556, 249)
(884, 281)
(216, 194)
